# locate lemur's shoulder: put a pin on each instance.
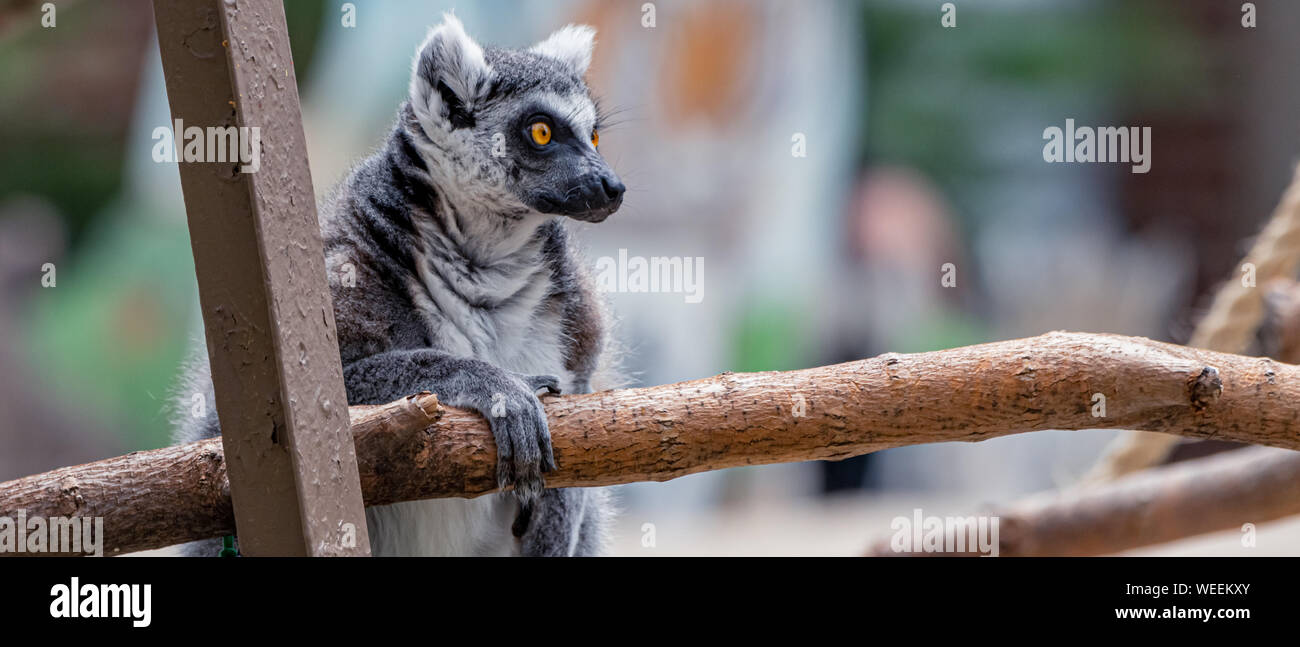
(370, 241)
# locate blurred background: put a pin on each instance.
(823, 158)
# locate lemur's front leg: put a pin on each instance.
(570, 522)
(508, 400)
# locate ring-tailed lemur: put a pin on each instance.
(452, 272)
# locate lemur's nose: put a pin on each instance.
(613, 187)
(592, 197)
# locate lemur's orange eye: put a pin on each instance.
(595, 137)
(541, 133)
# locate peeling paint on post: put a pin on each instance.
(261, 271)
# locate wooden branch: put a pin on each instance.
(416, 448)
(1278, 338)
(1101, 516)
(1279, 333)
(1250, 485)
(1229, 326)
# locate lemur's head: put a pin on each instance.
(514, 131)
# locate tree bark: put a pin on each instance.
(415, 448)
(1252, 485)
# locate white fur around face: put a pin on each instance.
(576, 108)
(456, 60)
(571, 45)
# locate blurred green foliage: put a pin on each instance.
(929, 86)
(123, 316)
(51, 145)
(111, 334)
(771, 336)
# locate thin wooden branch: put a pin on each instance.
(1226, 491)
(415, 448)
(1203, 495)
(1278, 337)
(1230, 325)
(1279, 333)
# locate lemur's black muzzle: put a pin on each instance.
(591, 198)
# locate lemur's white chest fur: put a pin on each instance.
(516, 333)
(497, 312)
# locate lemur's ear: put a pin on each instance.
(571, 45)
(449, 76)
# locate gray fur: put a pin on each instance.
(467, 285)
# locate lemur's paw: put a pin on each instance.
(538, 382)
(523, 439)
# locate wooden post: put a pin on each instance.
(261, 272)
